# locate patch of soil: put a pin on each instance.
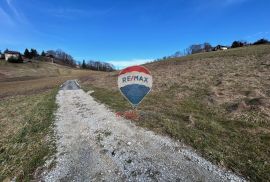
(257, 102)
(87, 79)
(2, 76)
(29, 92)
(234, 107)
(23, 78)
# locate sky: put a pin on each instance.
(129, 32)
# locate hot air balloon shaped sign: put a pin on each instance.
(135, 83)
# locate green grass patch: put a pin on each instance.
(109, 97)
(239, 145)
(26, 129)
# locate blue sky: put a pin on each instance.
(126, 32)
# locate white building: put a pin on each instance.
(220, 47)
(12, 54)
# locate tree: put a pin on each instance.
(196, 48)
(207, 47)
(236, 44)
(15, 59)
(84, 65)
(27, 54)
(177, 54)
(33, 53)
(261, 41)
(99, 66)
(62, 58)
(43, 54)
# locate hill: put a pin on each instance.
(33, 77)
(31, 70)
(27, 105)
(217, 102)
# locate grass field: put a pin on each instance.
(217, 102)
(27, 105)
(25, 124)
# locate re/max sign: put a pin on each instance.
(135, 78)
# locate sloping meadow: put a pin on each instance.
(217, 102)
(27, 105)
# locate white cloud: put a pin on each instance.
(125, 63)
(258, 35)
(72, 13)
(17, 15)
(232, 2)
(5, 18)
(202, 5)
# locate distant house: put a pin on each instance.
(50, 57)
(220, 47)
(12, 54)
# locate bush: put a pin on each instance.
(261, 41)
(236, 44)
(15, 60)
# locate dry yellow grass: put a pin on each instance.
(35, 77)
(218, 102)
(25, 130)
(27, 104)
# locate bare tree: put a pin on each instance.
(196, 48)
(62, 57)
(99, 66)
(207, 47)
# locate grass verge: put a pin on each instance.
(239, 145)
(26, 127)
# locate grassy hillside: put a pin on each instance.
(27, 104)
(36, 69)
(217, 102)
(35, 77)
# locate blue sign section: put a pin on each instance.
(135, 83)
(135, 93)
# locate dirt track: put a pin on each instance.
(95, 145)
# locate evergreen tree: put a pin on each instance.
(43, 54)
(27, 54)
(261, 41)
(83, 65)
(236, 44)
(33, 53)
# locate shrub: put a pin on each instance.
(15, 60)
(261, 41)
(236, 44)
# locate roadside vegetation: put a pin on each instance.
(27, 105)
(217, 102)
(25, 130)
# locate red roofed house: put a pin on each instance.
(12, 54)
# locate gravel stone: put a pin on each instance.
(92, 142)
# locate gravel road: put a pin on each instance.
(95, 145)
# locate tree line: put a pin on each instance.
(60, 57)
(97, 66)
(207, 47)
